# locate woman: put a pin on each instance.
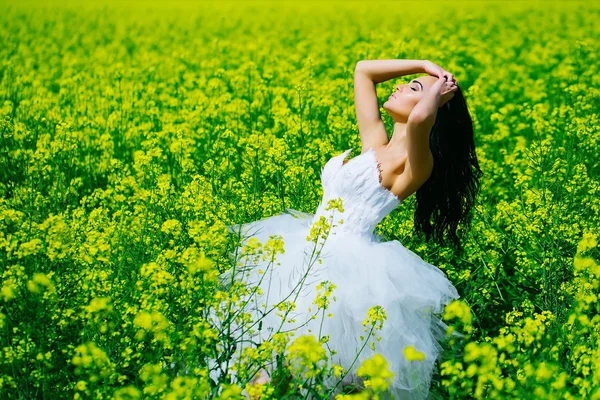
(431, 153)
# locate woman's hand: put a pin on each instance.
(444, 85)
(437, 95)
(445, 89)
(437, 71)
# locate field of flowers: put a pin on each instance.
(132, 134)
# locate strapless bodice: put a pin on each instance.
(357, 183)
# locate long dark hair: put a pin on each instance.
(448, 196)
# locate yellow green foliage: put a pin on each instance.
(133, 133)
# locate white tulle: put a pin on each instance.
(366, 269)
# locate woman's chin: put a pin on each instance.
(385, 107)
(392, 113)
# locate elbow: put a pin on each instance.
(362, 70)
(359, 66)
(417, 118)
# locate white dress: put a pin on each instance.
(366, 270)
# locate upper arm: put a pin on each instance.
(370, 126)
(419, 155)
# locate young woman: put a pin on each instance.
(431, 153)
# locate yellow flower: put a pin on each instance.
(201, 264)
(230, 392)
(587, 242)
(127, 393)
(308, 352)
(375, 317)
(322, 300)
(144, 320)
(8, 290)
(99, 304)
(544, 372)
(458, 309)
(377, 369)
(171, 226)
(337, 370)
(413, 354)
(40, 281)
(336, 203)
(274, 245)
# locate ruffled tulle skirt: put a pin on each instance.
(366, 271)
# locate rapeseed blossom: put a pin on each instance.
(119, 180)
(413, 354)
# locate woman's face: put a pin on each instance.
(406, 96)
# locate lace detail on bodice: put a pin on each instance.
(358, 183)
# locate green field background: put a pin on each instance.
(133, 133)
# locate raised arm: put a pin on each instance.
(418, 128)
(367, 74)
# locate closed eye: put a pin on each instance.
(420, 84)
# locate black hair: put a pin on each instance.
(449, 194)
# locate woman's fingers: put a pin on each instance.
(452, 82)
(450, 76)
